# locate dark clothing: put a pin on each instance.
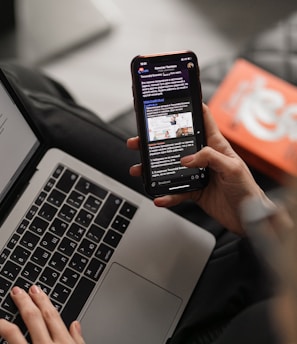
(228, 300)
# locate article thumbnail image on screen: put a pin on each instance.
(170, 126)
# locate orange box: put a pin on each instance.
(257, 112)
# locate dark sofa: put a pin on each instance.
(7, 15)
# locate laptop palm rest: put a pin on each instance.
(129, 309)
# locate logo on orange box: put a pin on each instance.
(257, 111)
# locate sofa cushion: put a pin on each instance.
(274, 50)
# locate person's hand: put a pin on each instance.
(42, 321)
(230, 179)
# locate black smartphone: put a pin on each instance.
(168, 105)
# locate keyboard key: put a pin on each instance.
(22, 283)
(58, 227)
(40, 256)
(67, 213)
(5, 315)
(10, 270)
(120, 224)
(128, 210)
(85, 187)
(4, 255)
(58, 261)
(45, 288)
(20, 255)
(69, 277)
(49, 242)
(29, 240)
(104, 252)
(9, 305)
(67, 246)
(13, 241)
(5, 286)
(108, 211)
(49, 277)
(49, 185)
(87, 248)
(60, 293)
(47, 211)
(38, 226)
(92, 204)
(66, 181)
(95, 233)
(22, 226)
(75, 199)
(32, 212)
(95, 269)
(31, 272)
(41, 198)
(56, 198)
(112, 238)
(84, 218)
(58, 171)
(78, 262)
(76, 232)
(77, 300)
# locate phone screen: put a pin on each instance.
(168, 104)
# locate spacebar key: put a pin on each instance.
(77, 300)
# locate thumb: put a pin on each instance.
(208, 157)
(76, 332)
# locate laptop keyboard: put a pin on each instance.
(63, 244)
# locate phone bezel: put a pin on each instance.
(142, 127)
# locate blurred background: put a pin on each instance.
(88, 44)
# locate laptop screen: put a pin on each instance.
(17, 142)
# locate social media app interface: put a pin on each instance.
(172, 119)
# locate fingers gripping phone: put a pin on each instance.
(168, 106)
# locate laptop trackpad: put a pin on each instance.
(129, 309)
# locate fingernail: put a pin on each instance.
(16, 291)
(35, 289)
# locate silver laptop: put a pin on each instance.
(103, 253)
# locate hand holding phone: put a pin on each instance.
(168, 106)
